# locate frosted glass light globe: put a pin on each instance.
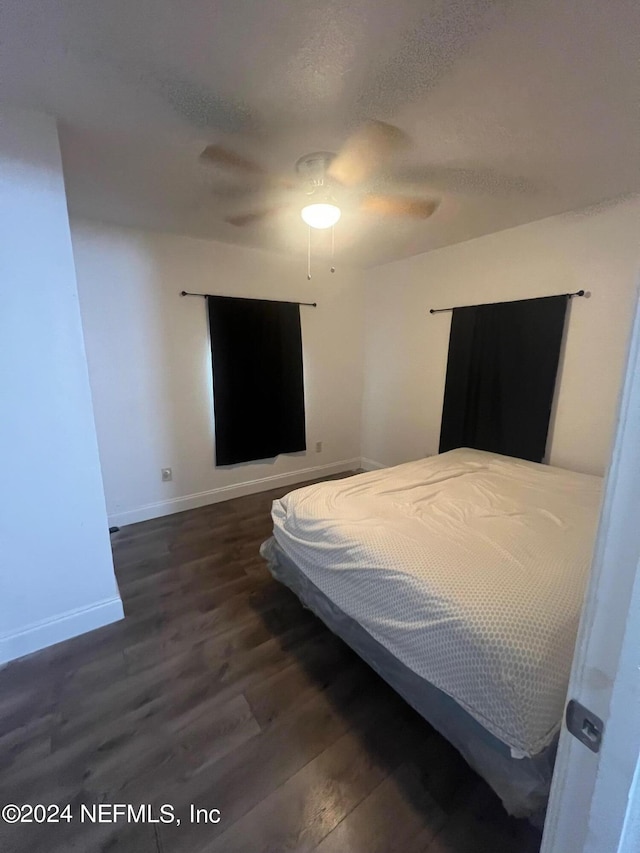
(321, 215)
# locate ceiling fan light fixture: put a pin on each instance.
(321, 215)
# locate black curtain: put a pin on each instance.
(501, 375)
(258, 387)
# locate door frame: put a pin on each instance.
(594, 806)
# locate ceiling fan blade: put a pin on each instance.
(398, 205)
(225, 157)
(219, 156)
(242, 219)
(366, 152)
(467, 180)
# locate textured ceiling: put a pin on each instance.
(516, 110)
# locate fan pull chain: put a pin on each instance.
(333, 246)
(309, 255)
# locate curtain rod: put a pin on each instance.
(440, 310)
(205, 295)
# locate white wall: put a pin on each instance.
(56, 574)
(406, 347)
(150, 364)
(149, 358)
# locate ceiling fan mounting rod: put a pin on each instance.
(313, 167)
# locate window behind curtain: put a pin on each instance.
(258, 383)
(501, 375)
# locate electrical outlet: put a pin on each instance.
(318, 447)
(167, 476)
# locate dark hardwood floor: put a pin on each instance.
(220, 690)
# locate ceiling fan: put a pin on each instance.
(327, 179)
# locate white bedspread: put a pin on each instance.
(469, 567)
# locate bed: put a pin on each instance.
(460, 579)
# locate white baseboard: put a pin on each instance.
(225, 493)
(371, 464)
(39, 635)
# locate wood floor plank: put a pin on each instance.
(26, 744)
(77, 838)
(308, 806)
(241, 780)
(185, 682)
(320, 668)
(402, 801)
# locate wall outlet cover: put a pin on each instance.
(167, 475)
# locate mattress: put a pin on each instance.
(468, 567)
